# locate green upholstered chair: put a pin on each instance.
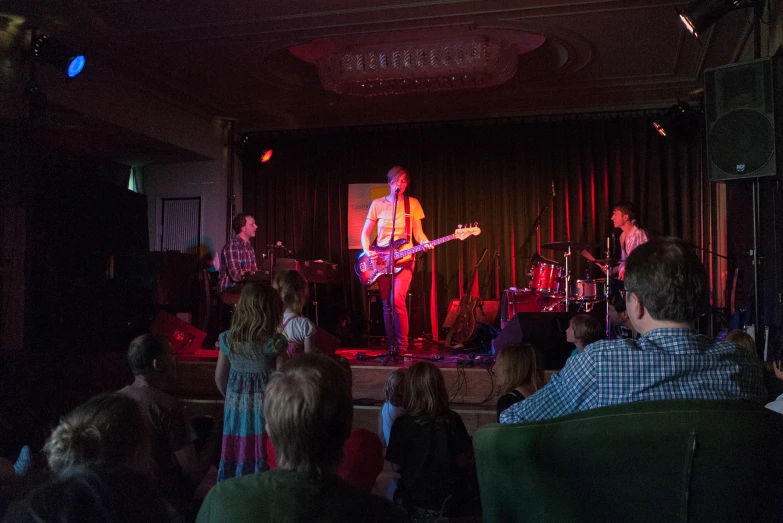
(654, 461)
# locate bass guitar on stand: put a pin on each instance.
(465, 322)
(369, 270)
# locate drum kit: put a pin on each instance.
(549, 289)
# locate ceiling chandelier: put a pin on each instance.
(411, 62)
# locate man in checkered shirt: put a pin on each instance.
(237, 257)
(666, 289)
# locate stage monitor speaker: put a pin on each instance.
(544, 330)
(742, 105)
(183, 337)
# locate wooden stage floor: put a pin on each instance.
(469, 380)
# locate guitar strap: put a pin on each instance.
(407, 219)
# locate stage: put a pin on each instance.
(469, 380)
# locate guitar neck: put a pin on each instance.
(407, 252)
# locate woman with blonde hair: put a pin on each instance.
(249, 352)
(520, 372)
(430, 447)
(299, 330)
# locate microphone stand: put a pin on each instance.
(537, 224)
(393, 351)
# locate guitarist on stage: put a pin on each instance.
(408, 227)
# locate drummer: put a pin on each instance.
(624, 218)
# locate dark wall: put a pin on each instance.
(78, 213)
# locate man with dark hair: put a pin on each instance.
(666, 291)
(309, 413)
(624, 218)
(237, 257)
(176, 465)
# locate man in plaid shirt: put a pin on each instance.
(666, 289)
(238, 257)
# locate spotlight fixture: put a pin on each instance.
(701, 14)
(49, 50)
(674, 119)
(266, 156)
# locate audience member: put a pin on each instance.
(743, 340)
(583, 329)
(300, 331)
(107, 429)
(520, 372)
(249, 353)
(666, 291)
(106, 493)
(618, 317)
(309, 413)
(775, 387)
(362, 460)
(431, 449)
(392, 407)
(176, 465)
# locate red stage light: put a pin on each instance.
(266, 156)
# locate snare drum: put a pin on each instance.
(518, 300)
(548, 279)
(593, 290)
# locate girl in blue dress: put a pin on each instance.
(249, 352)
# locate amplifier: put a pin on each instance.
(315, 271)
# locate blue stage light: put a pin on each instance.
(76, 66)
(51, 51)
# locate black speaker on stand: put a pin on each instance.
(742, 106)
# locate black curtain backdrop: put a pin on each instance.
(496, 173)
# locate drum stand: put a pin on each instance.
(607, 292)
(567, 275)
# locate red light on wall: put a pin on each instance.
(266, 156)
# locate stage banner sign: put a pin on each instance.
(360, 195)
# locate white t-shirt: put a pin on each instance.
(298, 329)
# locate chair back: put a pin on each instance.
(679, 460)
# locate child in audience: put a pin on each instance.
(299, 329)
(743, 340)
(309, 413)
(430, 448)
(362, 460)
(392, 407)
(583, 329)
(249, 353)
(520, 372)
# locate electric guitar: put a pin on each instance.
(369, 270)
(465, 322)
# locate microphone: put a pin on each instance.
(280, 245)
(553, 188)
(397, 190)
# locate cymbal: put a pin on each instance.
(564, 246)
(607, 261)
